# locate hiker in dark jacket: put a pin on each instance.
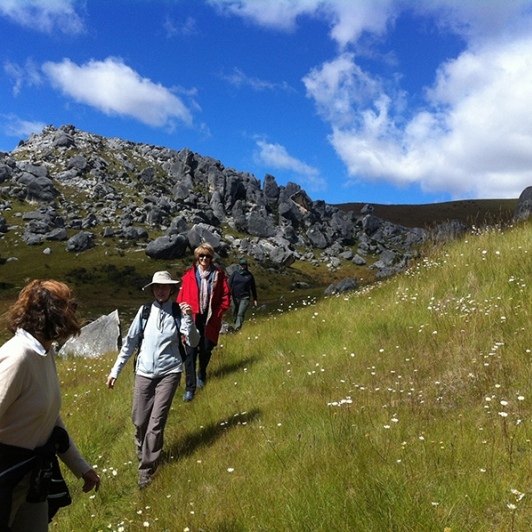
(242, 286)
(158, 368)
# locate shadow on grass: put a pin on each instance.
(227, 369)
(206, 436)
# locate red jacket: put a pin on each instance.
(218, 304)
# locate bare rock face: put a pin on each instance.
(80, 242)
(99, 191)
(345, 285)
(167, 247)
(524, 205)
(96, 339)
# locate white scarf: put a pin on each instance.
(204, 289)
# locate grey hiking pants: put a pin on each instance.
(240, 307)
(152, 399)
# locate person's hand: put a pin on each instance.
(92, 480)
(186, 308)
(111, 382)
(255, 303)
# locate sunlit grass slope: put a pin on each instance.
(403, 407)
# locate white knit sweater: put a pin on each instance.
(30, 398)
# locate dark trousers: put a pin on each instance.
(201, 354)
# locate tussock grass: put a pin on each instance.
(405, 406)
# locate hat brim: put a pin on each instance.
(171, 283)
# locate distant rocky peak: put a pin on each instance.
(93, 190)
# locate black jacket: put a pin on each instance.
(46, 480)
(242, 284)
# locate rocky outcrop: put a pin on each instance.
(524, 205)
(447, 231)
(89, 190)
(96, 339)
(346, 285)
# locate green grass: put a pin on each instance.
(106, 277)
(405, 406)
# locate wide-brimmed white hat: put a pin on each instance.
(161, 278)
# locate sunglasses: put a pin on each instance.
(204, 256)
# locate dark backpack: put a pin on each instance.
(176, 313)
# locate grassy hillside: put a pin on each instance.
(405, 406)
(471, 212)
(104, 279)
(110, 276)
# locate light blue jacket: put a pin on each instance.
(159, 353)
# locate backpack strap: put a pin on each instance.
(176, 313)
(146, 308)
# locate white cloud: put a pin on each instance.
(351, 19)
(280, 14)
(15, 126)
(27, 75)
(339, 87)
(347, 18)
(115, 89)
(44, 15)
(473, 140)
(186, 28)
(277, 157)
(471, 135)
(480, 21)
(239, 79)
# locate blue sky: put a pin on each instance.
(380, 101)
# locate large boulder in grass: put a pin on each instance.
(282, 256)
(345, 285)
(167, 247)
(317, 236)
(41, 189)
(96, 339)
(259, 224)
(448, 231)
(5, 172)
(135, 233)
(523, 208)
(203, 233)
(80, 242)
(58, 234)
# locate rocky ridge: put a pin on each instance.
(87, 189)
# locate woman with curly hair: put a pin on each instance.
(31, 429)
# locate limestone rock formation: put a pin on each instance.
(96, 339)
(89, 191)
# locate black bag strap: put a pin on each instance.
(146, 308)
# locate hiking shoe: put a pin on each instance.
(188, 397)
(200, 384)
(144, 480)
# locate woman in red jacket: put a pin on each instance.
(204, 287)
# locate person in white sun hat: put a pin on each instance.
(156, 333)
